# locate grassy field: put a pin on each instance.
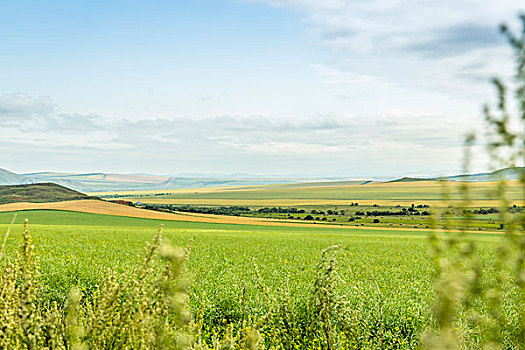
(75, 249)
(385, 194)
(340, 197)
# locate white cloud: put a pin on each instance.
(338, 76)
(331, 144)
(449, 46)
(400, 72)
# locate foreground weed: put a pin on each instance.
(463, 285)
(142, 309)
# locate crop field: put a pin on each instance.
(112, 209)
(384, 194)
(345, 203)
(75, 249)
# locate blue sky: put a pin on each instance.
(333, 88)
(133, 58)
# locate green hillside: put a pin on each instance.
(38, 193)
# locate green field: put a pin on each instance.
(426, 196)
(76, 248)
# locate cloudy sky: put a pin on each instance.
(351, 88)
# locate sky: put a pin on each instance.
(349, 88)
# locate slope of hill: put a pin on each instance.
(507, 173)
(10, 178)
(411, 179)
(38, 193)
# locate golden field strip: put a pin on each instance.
(106, 208)
(317, 194)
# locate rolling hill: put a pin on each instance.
(9, 178)
(411, 179)
(102, 182)
(507, 173)
(39, 193)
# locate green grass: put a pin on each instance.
(75, 248)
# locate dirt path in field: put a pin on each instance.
(106, 208)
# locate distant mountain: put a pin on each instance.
(507, 173)
(101, 182)
(9, 178)
(510, 173)
(38, 193)
(411, 179)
